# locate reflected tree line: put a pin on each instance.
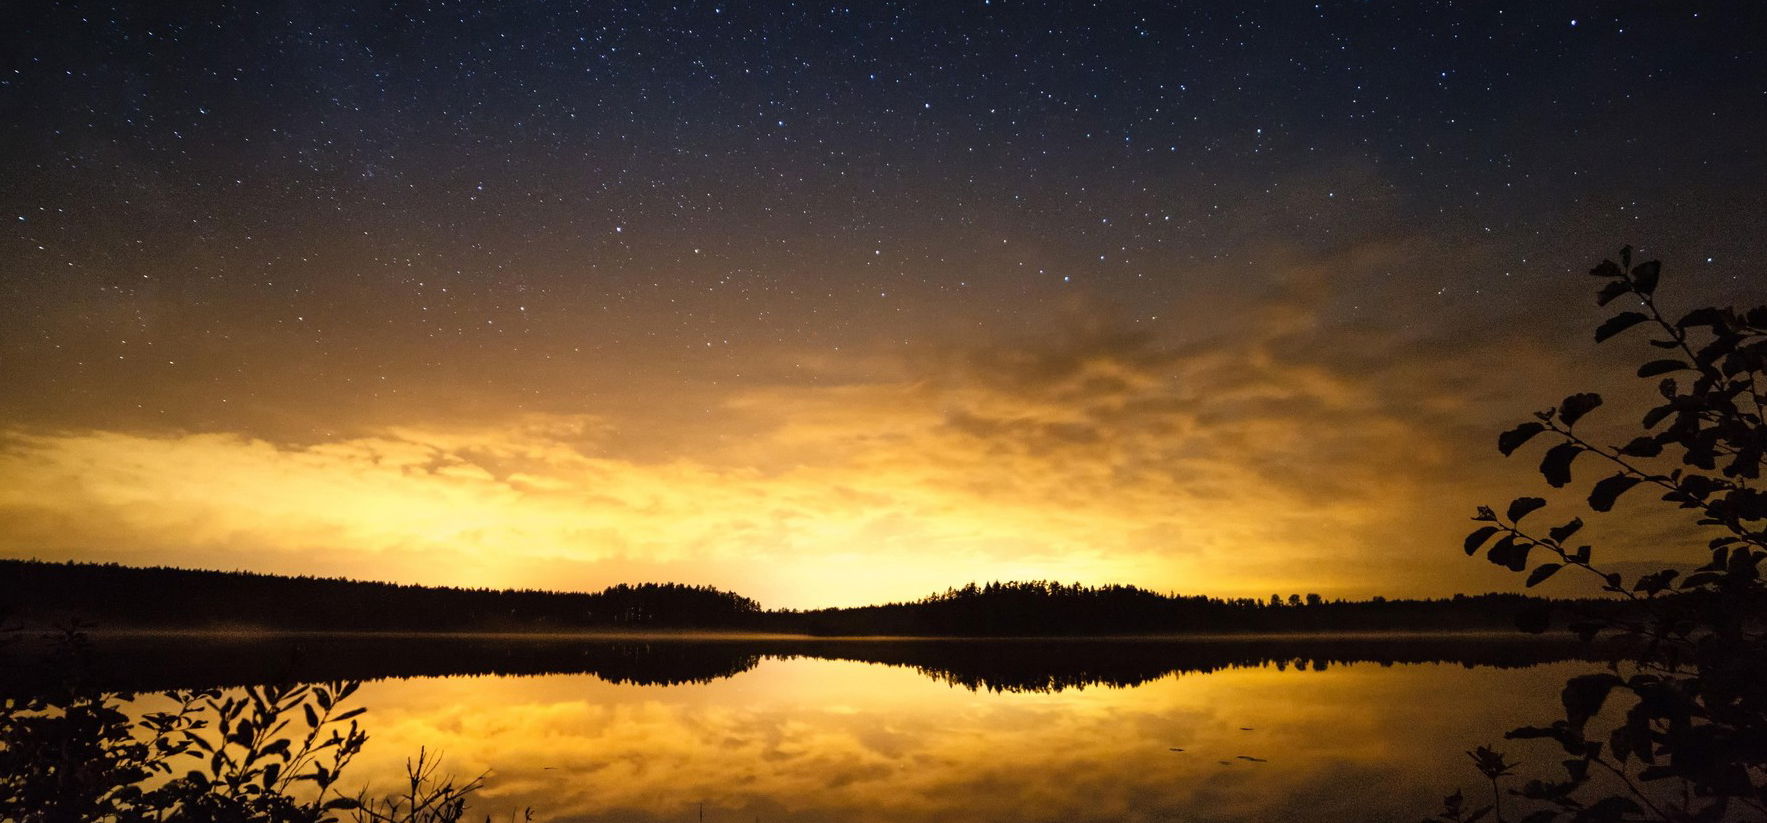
(1672, 728)
(257, 727)
(161, 662)
(1057, 665)
(256, 666)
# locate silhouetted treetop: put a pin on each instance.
(120, 596)
(113, 596)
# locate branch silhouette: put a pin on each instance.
(1692, 745)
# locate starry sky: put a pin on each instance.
(836, 304)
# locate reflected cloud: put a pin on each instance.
(814, 740)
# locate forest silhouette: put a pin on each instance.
(1681, 648)
(111, 596)
(167, 628)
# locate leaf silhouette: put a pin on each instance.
(1559, 533)
(1478, 538)
(1656, 415)
(1542, 572)
(1644, 276)
(1510, 553)
(1518, 556)
(1602, 497)
(1642, 447)
(1610, 291)
(1574, 407)
(1523, 506)
(1656, 367)
(1710, 317)
(1619, 323)
(1513, 439)
(1556, 466)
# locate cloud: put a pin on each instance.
(1284, 450)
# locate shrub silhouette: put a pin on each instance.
(261, 754)
(1692, 744)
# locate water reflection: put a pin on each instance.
(146, 662)
(807, 739)
(795, 729)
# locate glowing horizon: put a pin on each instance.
(838, 305)
(1090, 457)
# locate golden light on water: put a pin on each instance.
(818, 740)
(845, 304)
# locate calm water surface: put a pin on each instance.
(841, 740)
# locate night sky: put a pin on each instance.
(834, 304)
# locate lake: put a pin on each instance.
(797, 729)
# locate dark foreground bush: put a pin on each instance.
(1690, 741)
(262, 754)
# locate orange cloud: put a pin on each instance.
(1286, 453)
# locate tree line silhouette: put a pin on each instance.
(112, 596)
(1048, 609)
